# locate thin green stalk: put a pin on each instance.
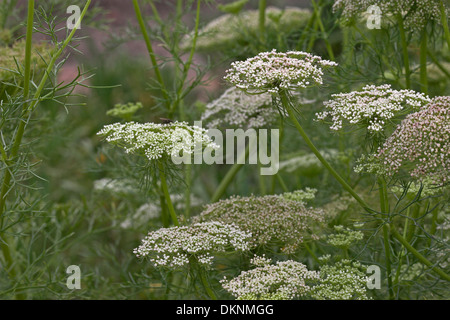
(438, 63)
(196, 266)
(417, 254)
(402, 252)
(262, 19)
(205, 283)
(306, 31)
(28, 109)
(317, 10)
(281, 181)
(164, 214)
(312, 40)
(6, 243)
(148, 43)
(384, 204)
(287, 105)
(165, 190)
(187, 194)
(404, 45)
(444, 21)
(222, 188)
(423, 62)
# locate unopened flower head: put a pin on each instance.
(284, 280)
(373, 108)
(13, 57)
(270, 219)
(421, 144)
(415, 13)
(124, 111)
(344, 237)
(236, 108)
(156, 140)
(173, 247)
(277, 71)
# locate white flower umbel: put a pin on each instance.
(237, 109)
(272, 219)
(372, 108)
(155, 140)
(285, 280)
(173, 247)
(415, 13)
(277, 71)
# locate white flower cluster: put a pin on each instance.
(307, 164)
(344, 280)
(173, 247)
(277, 71)
(155, 140)
(149, 211)
(285, 280)
(271, 219)
(415, 13)
(228, 30)
(115, 186)
(374, 107)
(236, 108)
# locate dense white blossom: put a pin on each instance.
(284, 280)
(155, 140)
(237, 108)
(373, 107)
(277, 71)
(270, 219)
(173, 247)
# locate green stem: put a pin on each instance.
(306, 31)
(188, 177)
(384, 204)
(317, 11)
(262, 19)
(402, 252)
(204, 280)
(417, 254)
(4, 242)
(148, 43)
(423, 62)
(445, 24)
(281, 181)
(221, 189)
(438, 63)
(165, 190)
(287, 105)
(187, 65)
(404, 45)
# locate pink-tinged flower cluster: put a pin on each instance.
(277, 71)
(373, 107)
(421, 143)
